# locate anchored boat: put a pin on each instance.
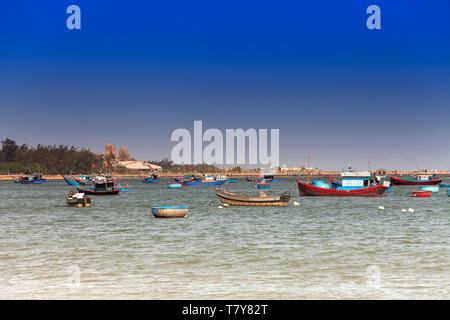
(237, 199)
(30, 179)
(151, 179)
(170, 212)
(77, 199)
(421, 194)
(421, 179)
(353, 184)
(100, 188)
(205, 181)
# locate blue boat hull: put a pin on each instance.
(150, 181)
(174, 185)
(207, 183)
(39, 181)
(433, 189)
(70, 181)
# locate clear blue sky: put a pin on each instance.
(137, 70)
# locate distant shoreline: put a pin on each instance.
(171, 175)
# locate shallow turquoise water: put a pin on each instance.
(326, 248)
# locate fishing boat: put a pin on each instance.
(442, 185)
(421, 179)
(30, 179)
(375, 179)
(71, 181)
(100, 188)
(353, 184)
(237, 199)
(170, 212)
(448, 192)
(421, 194)
(151, 179)
(205, 181)
(77, 199)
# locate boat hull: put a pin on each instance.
(235, 199)
(170, 212)
(399, 182)
(39, 181)
(204, 183)
(99, 193)
(70, 181)
(421, 194)
(309, 190)
(150, 181)
(174, 185)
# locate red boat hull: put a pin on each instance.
(399, 182)
(99, 193)
(421, 194)
(309, 190)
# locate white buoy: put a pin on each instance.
(380, 208)
(295, 203)
(410, 210)
(219, 207)
(403, 210)
(226, 205)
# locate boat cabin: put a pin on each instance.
(352, 179)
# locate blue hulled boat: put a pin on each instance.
(30, 179)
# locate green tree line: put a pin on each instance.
(49, 159)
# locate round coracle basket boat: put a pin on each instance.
(170, 212)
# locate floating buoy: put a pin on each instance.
(403, 210)
(226, 205)
(410, 210)
(219, 207)
(295, 203)
(211, 203)
(380, 208)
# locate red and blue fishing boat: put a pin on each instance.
(353, 184)
(100, 188)
(30, 179)
(374, 180)
(71, 181)
(421, 179)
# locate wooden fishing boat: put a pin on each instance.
(100, 188)
(206, 181)
(77, 199)
(374, 180)
(444, 185)
(30, 179)
(232, 180)
(421, 194)
(71, 181)
(448, 192)
(237, 199)
(310, 190)
(151, 179)
(352, 184)
(170, 212)
(421, 179)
